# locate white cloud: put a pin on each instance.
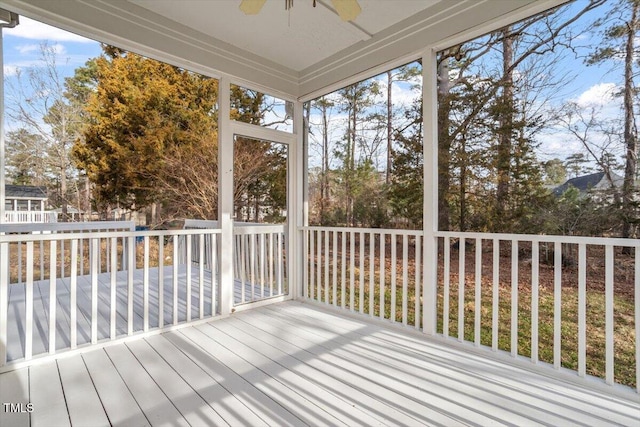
(34, 30)
(10, 70)
(58, 48)
(404, 95)
(597, 95)
(558, 144)
(27, 48)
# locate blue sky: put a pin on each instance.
(22, 46)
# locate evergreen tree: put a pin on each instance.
(406, 191)
(141, 112)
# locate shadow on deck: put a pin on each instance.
(295, 364)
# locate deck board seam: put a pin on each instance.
(96, 389)
(64, 393)
(155, 381)
(115, 367)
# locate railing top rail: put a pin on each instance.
(239, 228)
(103, 235)
(612, 241)
(200, 223)
(68, 226)
(258, 229)
(206, 223)
(397, 231)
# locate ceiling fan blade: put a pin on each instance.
(348, 10)
(252, 7)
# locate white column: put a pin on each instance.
(4, 247)
(430, 207)
(9, 20)
(298, 203)
(225, 197)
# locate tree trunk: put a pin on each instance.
(63, 195)
(463, 187)
(630, 142)
(256, 209)
(351, 158)
(389, 127)
(324, 178)
(444, 144)
(87, 196)
(505, 114)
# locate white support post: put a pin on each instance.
(225, 197)
(4, 300)
(430, 202)
(298, 207)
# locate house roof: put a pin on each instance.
(297, 52)
(25, 192)
(584, 183)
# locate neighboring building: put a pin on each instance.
(26, 203)
(592, 182)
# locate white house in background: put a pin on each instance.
(27, 203)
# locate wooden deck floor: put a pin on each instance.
(295, 364)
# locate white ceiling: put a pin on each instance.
(297, 38)
(292, 53)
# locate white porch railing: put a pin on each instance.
(567, 305)
(68, 285)
(63, 290)
(16, 259)
(260, 261)
(368, 271)
(23, 217)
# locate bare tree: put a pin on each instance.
(37, 103)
